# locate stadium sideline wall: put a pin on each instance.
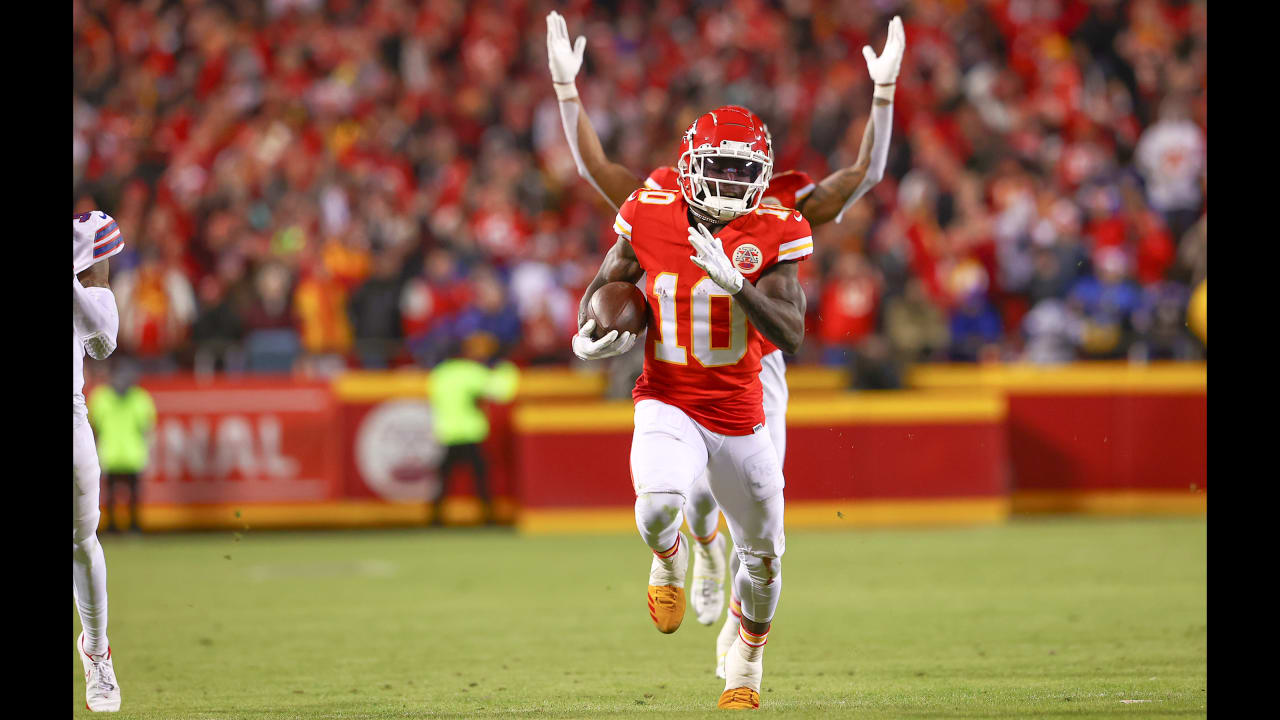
(1109, 438)
(901, 458)
(967, 444)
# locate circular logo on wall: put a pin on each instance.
(396, 452)
(747, 258)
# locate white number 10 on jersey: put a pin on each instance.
(667, 349)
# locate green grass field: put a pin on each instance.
(1040, 618)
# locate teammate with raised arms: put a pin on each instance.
(819, 203)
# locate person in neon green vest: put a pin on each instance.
(457, 387)
(123, 417)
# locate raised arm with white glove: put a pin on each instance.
(565, 60)
(883, 70)
(97, 317)
(885, 67)
(836, 192)
(615, 182)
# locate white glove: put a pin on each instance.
(884, 69)
(712, 259)
(565, 61)
(608, 346)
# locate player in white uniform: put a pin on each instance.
(819, 204)
(94, 323)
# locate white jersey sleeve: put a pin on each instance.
(95, 236)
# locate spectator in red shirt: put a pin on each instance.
(848, 308)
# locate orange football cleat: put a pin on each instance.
(743, 698)
(666, 585)
(666, 607)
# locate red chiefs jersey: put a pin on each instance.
(785, 189)
(702, 354)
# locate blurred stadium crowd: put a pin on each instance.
(318, 184)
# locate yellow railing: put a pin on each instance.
(803, 381)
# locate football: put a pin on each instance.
(618, 306)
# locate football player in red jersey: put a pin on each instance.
(699, 406)
(819, 203)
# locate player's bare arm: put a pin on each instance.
(612, 180)
(620, 265)
(615, 182)
(95, 276)
(775, 304)
(839, 190)
(829, 196)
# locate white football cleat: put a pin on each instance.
(101, 693)
(728, 633)
(709, 567)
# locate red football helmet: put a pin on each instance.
(726, 160)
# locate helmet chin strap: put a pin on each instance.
(719, 206)
(728, 213)
(718, 212)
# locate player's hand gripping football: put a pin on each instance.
(884, 69)
(712, 259)
(565, 61)
(607, 346)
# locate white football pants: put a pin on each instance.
(670, 452)
(700, 510)
(89, 567)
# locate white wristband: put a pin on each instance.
(884, 92)
(565, 91)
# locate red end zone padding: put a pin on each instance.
(842, 450)
(292, 452)
(899, 462)
(1108, 442)
(244, 440)
(842, 461)
(1098, 437)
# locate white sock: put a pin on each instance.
(744, 665)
